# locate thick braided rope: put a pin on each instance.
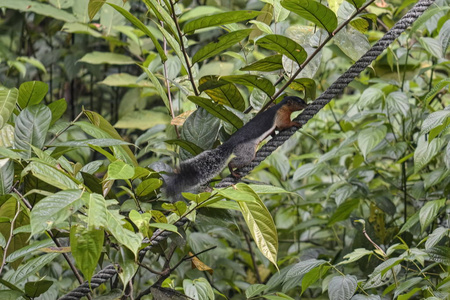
(96, 280)
(334, 90)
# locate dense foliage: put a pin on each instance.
(98, 99)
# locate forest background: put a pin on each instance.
(95, 98)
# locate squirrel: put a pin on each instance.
(243, 143)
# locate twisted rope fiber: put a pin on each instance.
(334, 90)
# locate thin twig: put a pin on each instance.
(65, 129)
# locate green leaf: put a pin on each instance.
(252, 80)
(97, 213)
(343, 211)
(313, 11)
(254, 290)
(440, 255)
(412, 220)
(303, 267)
(383, 273)
(201, 128)
(217, 110)
(35, 288)
(25, 271)
(120, 170)
(368, 138)
(307, 170)
(32, 93)
(186, 145)
(307, 85)
(94, 7)
(219, 19)
(434, 120)
(142, 119)
(436, 89)
(124, 236)
(58, 108)
(284, 45)
(86, 246)
(51, 175)
(342, 287)
(98, 58)
(107, 131)
(268, 64)
(39, 8)
(436, 236)
(239, 193)
(222, 92)
(11, 295)
(260, 224)
(355, 255)
(31, 128)
(425, 152)
(54, 209)
(136, 22)
(6, 175)
(148, 186)
(224, 42)
(313, 276)
(8, 99)
(429, 212)
(30, 249)
(198, 289)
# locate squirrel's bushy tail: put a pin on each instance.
(197, 170)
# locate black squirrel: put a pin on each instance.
(243, 143)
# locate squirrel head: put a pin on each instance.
(294, 103)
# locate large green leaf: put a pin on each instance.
(222, 92)
(8, 99)
(136, 22)
(368, 138)
(97, 211)
(342, 287)
(54, 209)
(224, 42)
(98, 58)
(261, 225)
(86, 246)
(6, 175)
(252, 80)
(38, 8)
(198, 289)
(217, 110)
(31, 128)
(313, 11)
(268, 64)
(284, 45)
(158, 86)
(30, 249)
(51, 175)
(120, 170)
(219, 19)
(124, 236)
(27, 270)
(429, 212)
(425, 152)
(58, 108)
(143, 119)
(32, 93)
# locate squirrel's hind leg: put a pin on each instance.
(245, 153)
